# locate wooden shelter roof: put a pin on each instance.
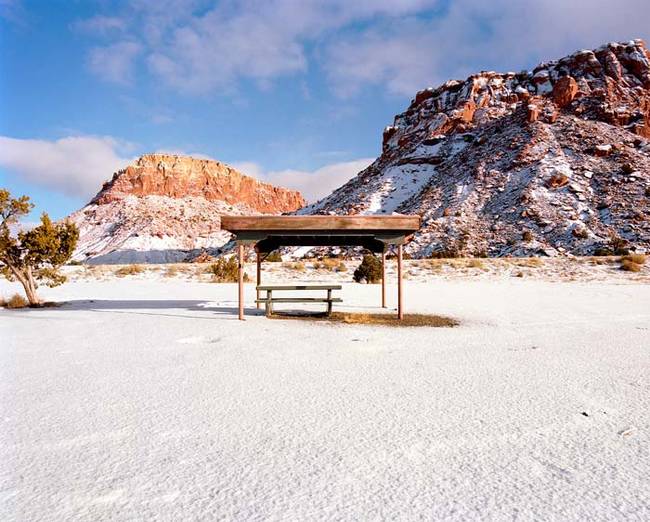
(271, 232)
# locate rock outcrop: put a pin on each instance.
(182, 177)
(555, 160)
(166, 208)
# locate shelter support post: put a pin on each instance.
(240, 249)
(259, 276)
(400, 311)
(383, 278)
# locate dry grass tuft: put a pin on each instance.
(330, 263)
(632, 262)
(172, 271)
(15, 301)
(435, 321)
(129, 270)
(274, 257)
(534, 262)
(476, 263)
(630, 266)
(639, 259)
(298, 266)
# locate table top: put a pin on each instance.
(300, 287)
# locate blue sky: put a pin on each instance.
(292, 92)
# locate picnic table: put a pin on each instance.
(269, 299)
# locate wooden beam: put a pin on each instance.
(400, 311)
(259, 276)
(406, 224)
(383, 278)
(241, 281)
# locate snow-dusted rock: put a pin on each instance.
(166, 208)
(509, 145)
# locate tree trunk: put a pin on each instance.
(29, 285)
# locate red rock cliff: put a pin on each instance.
(184, 176)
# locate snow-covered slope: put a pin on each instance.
(548, 161)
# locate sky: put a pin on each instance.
(293, 92)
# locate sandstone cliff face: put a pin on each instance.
(556, 160)
(167, 208)
(182, 176)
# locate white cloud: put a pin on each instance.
(78, 165)
(313, 185)
(75, 165)
(203, 46)
(196, 49)
(474, 35)
(115, 63)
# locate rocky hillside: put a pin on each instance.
(166, 208)
(553, 160)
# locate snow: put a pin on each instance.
(150, 228)
(396, 185)
(142, 400)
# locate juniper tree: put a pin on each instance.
(33, 256)
(370, 270)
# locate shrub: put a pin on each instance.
(369, 270)
(639, 259)
(15, 301)
(618, 245)
(476, 263)
(446, 253)
(557, 180)
(330, 263)
(603, 251)
(630, 266)
(534, 262)
(341, 267)
(129, 270)
(297, 265)
(225, 270)
(527, 235)
(627, 168)
(171, 271)
(274, 257)
(580, 233)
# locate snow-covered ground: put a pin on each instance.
(149, 400)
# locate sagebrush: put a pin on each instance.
(225, 270)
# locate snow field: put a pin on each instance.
(154, 402)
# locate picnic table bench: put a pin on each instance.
(269, 299)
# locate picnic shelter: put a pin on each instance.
(268, 233)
